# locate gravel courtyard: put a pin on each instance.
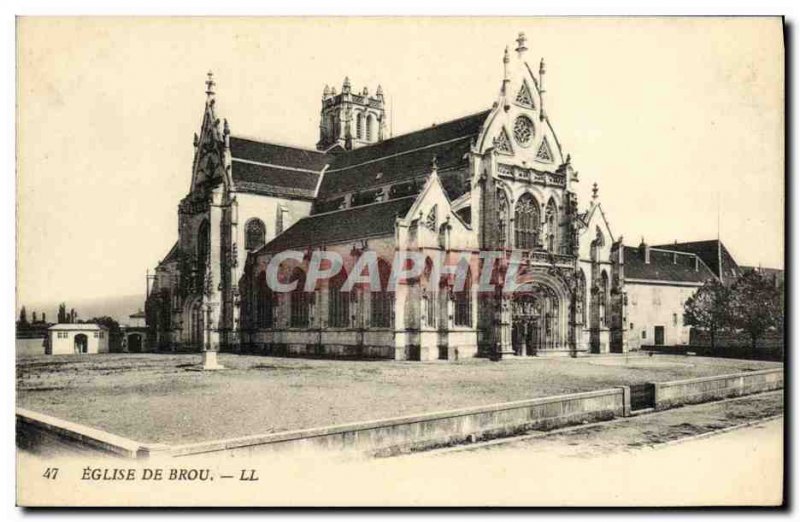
(153, 398)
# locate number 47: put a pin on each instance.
(51, 473)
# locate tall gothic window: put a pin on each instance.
(463, 302)
(582, 295)
(503, 216)
(360, 126)
(338, 302)
(264, 302)
(382, 302)
(255, 234)
(526, 222)
(299, 301)
(551, 220)
(603, 297)
(370, 127)
(203, 241)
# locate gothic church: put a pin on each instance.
(497, 180)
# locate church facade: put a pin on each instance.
(492, 189)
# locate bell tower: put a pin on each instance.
(350, 119)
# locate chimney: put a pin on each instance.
(675, 253)
(696, 264)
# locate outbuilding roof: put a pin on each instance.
(665, 265)
(78, 326)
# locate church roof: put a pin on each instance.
(275, 170)
(402, 157)
(277, 155)
(713, 253)
(273, 181)
(377, 219)
(664, 265)
(172, 255)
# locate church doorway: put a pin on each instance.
(534, 319)
(196, 324)
(81, 343)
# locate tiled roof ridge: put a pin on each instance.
(359, 206)
(263, 141)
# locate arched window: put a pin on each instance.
(581, 300)
(602, 297)
(382, 301)
(360, 126)
(264, 302)
(370, 127)
(203, 241)
(503, 216)
(526, 222)
(255, 234)
(551, 220)
(463, 299)
(338, 302)
(299, 301)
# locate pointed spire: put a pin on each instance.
(210, 84)
(594, 191)
(365, 92)
(379, 92)
(326, 91)
(434, 164)
(521, 41)
(346, 86)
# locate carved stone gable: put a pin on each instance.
(502, 143)
(524, 96)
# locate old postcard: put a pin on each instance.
(400, 261)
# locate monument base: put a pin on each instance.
(209, 363)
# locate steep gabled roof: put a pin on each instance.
(714, 255)
(172, 255)
(374, 220)
(273, 154)
(275, 170)
(403, 157)
(667, 266)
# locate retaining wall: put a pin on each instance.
(390, 436)
(43, 434)
(691, 391)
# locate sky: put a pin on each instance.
(679, 121)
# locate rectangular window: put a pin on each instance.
(432, 306)
(381, 309)
(631, 328)
(463, 305)
(674, 319)
(644, 334)
(300, 302)
(338, 307)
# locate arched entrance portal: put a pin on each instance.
(135, 343)
(196, 323)
(81, 343)
(535, 320)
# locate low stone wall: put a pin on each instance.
(43, 434)
(691, 391)
(402, 434)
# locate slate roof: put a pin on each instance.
(377, 219)
(713, 253)
(273, 181)
(402, 157)
(667, 266)
(275, 170)
(172, 255)
(248, 149)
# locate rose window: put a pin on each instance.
(523, 131)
